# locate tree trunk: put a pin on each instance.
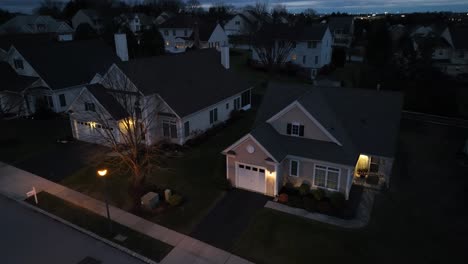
(136, 189)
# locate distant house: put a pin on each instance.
(323, 137)
(246, 22)
(61, 69)
(312, 46)
(34, 24)
(457, 38)
(136, 22)
(175, 31)
(342, 29)
(90, 17)
(183, 32)
(185, 94)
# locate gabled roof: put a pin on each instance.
(188, 82)
(91, 13)
(67, 64)
(23, 23)
(344, 23)
(459, 37)
(108, 101)
(205, 30)
(363, 121)
(11, 81)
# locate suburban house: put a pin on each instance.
(182, 32)
(323, 136)
(33, 24)
(456, 52)
(136, 22)
(90, 17)
(311, 46)
(246, 22)
(61, 69)
(342, 29)
(11, 96)
(183, 94)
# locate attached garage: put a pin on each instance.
(250, 177)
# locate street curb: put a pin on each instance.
(89, 233)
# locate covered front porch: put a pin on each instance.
(373, 171)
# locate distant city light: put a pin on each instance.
(402, 15)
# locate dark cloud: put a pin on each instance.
(324, 6)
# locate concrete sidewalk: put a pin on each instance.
(16, 183)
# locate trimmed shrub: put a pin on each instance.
(324, 207)
(304, 189)
(310, 204)
(295, 201)
(174, 200)
(283, 198)
(318, 194)
(337, 200)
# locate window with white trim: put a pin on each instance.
(18, 64)
(326, 177)
(295, 129)
(213, 115)
(169, 128)
(294, 168)
(237, 103)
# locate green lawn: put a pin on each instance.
(422, 219)
(197, 175)
(140, 243)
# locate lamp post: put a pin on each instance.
(102, 173)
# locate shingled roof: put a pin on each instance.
(67, 64)
(11, 81)
(188, 82)
(371, 127)
(108, 101)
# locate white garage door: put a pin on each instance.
(251, 178)
(88, 131)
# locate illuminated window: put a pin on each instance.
(326, 177)
(294, 57)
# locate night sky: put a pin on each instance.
(322, 6)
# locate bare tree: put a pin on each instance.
(193, 6)
(272, 46)
(50, 8)
(127, 125)
(11, 103)
(261, 7)
(310, 12)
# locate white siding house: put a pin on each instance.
(180, 108)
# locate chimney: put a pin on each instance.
(121, 46)
(225, 57)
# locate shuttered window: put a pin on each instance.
(295, 129)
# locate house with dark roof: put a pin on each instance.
(342, 29)
(245, 22)
(35, 24)
(311, 46)
(136, 22)
(457, 41)
(90, 17)
(62, 69)
(324, 137)
(181, 32)
(183, 94)
(11, 97)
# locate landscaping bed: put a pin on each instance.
(317, 200)
(135, 241)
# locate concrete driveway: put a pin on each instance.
(30, 237)
(228, 219)
(62, 160)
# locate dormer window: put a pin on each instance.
(295, 129)
(18, 64)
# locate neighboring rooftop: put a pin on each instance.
(370, 128)
(67, 64)
(34, 24)
(108, 101)
(188, 82)
(11, 81)
(179, 21)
